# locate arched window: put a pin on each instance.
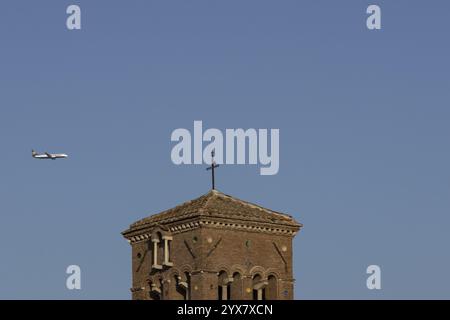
(223, 286)
(155, 291)
(272, 288)
(179, 288)
(236, 287)
(259, 288)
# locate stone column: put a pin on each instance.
(259, 287)
(259, 296)
(166, 251)
(224, 292)
(186, 288)
(155, 264)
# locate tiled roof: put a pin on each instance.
(219, 205)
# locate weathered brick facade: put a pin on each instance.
(213, 247)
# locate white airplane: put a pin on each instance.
(46, 155)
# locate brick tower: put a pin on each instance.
(213, 247)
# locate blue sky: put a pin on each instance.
(363, 118)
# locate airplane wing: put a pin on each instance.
(49, 155)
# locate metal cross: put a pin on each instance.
(213, 166)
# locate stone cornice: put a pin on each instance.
(144, 234)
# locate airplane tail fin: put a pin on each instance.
(33, 153)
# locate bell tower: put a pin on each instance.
(213, 247)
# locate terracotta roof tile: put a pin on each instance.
(217, 204)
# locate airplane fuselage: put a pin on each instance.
(51, 156)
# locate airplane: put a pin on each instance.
(46, 155)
